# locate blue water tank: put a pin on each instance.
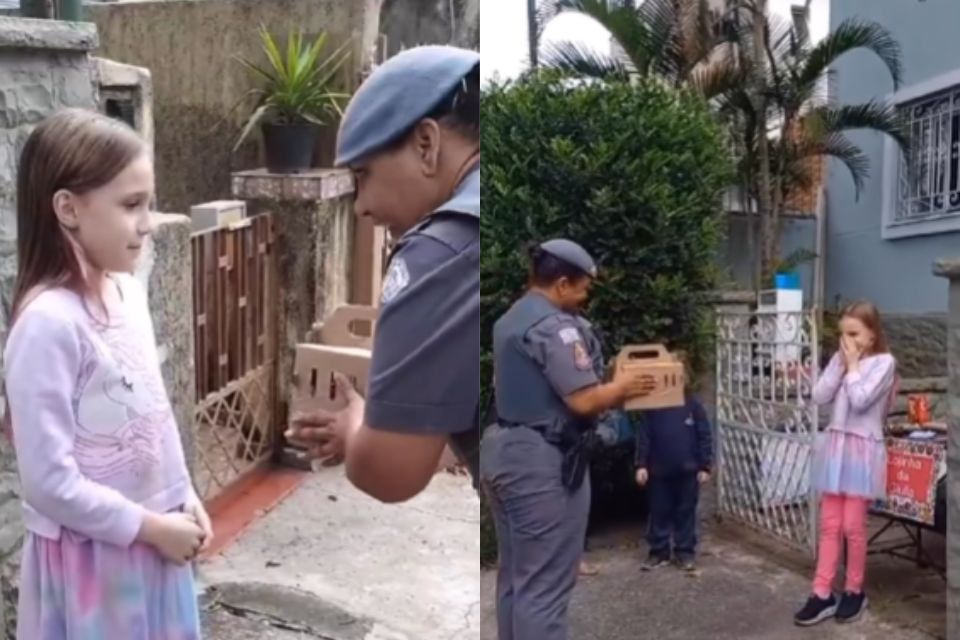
(787, 281)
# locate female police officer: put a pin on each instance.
(411, 136)
(548, 369)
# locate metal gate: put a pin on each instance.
(767, 364)
(235, 307)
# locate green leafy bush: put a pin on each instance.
(633, 172)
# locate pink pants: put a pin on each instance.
(841, 517)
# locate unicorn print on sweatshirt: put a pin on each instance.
(122, 411)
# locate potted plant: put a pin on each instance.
(296, 99)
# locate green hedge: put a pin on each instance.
(634, 173)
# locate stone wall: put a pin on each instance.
(11, 538)
(408, 23)
(44, 66)
(197, 85)
(167, 274)
(123, 82)
(919, 342)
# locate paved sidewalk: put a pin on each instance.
(739, 595)
(331, 563)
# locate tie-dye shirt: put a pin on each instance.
(95, 436)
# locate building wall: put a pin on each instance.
(896, 274)
(189, 47)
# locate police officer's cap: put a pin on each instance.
(571, 253)
(397, 95)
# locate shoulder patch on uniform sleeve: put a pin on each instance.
(398, 277)
(569, 335)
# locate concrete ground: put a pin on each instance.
(333, 564)
(746, 590)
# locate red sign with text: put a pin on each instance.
(909, 475)
(912, 472)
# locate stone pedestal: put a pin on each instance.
(166, 272)
(313, 223)
(950, 269)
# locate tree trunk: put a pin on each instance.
(764, 209)
(533, 38)
(777, 195)
(467, 32)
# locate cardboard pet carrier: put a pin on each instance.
(667, 371)
(342, 349)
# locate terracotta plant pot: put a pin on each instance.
(289, 147)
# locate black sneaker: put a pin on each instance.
(687, 565)
(655, 561)
(852, 606)
(816, 611)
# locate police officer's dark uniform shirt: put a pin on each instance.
(563, 352)
(425, 376)
(562, 344)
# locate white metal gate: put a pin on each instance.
(767, 364)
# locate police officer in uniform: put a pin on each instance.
(548, 370)
(411, 136)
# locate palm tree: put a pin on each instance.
(782, 119)
(683, 41)
(533, 35)
(539, 13)
(765, 79)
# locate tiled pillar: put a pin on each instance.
(950, 269)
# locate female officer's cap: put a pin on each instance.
(399, 94)
(572, 253)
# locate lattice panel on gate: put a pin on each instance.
(234, 297)
(766, 366)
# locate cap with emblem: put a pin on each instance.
(398, 94)
(572, 253)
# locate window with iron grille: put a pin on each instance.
(929, 175)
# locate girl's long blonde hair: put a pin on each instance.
(79, 151)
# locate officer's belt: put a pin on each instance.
(545, 430)
(507, 424)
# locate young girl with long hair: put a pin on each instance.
(113, 519)
(850, 459)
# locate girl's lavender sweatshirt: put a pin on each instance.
(96, 440)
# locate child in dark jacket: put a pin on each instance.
(674, 454)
